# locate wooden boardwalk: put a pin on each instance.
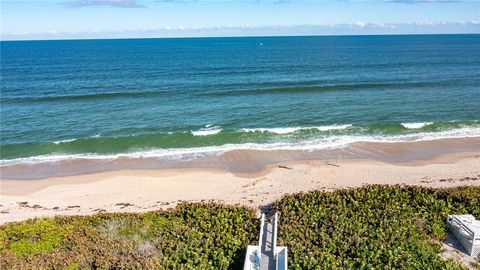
(268, 258)
(266, 255)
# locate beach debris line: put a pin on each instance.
(124, 205)
(254, 183)
(331, 164)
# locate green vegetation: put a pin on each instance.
(375, 227)
(192, 236)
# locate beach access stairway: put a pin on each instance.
(266, 255)
(467, 231)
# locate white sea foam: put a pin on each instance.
(64, 141)
(272, 130)
(72, 140)
(207, 130)
(288, 130)
(416, 125)
(333, 127)
(327, 142)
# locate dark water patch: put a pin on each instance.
(324, 88)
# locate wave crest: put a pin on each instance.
(289, 130)
(207, 130)
(199, 152)
(416, 125)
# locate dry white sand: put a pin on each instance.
(144, 190)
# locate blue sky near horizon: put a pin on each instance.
(51, 19)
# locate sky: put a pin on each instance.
(79, 19)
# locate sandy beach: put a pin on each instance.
(179, 135)
(150, 189)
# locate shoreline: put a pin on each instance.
(153, 189)
(246, 161)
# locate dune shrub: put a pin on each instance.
(192, 236)
(373, 227)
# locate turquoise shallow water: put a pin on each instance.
(176, 97)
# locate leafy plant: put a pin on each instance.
(192, 236)
(374, 227)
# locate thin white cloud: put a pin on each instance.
(136, 4)
(426, 1)
(360, 24)
(391, 1)
(353, 28)
(109, 3)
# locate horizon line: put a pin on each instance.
(246, 36)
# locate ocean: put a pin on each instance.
(188, 98)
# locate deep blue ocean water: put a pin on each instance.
(170, 96)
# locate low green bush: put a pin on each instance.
(192, 236)
(374, 227)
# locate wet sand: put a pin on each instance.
(140, 190)
(248, 161)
